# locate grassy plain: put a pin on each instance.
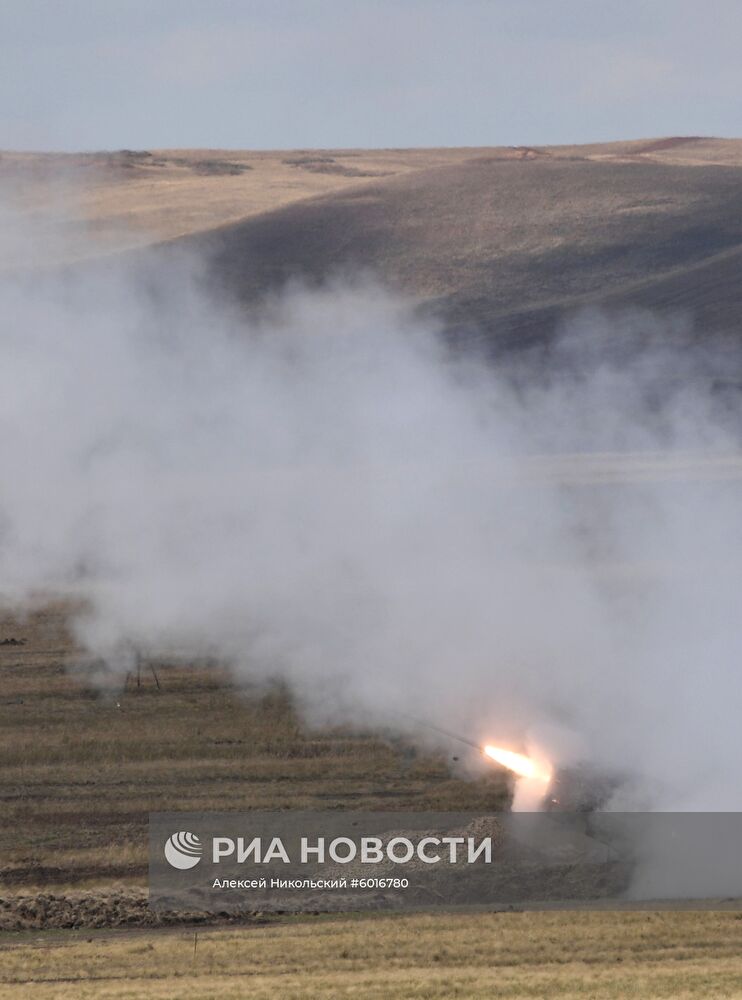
(515, 955)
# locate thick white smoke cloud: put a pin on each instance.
(326, 495)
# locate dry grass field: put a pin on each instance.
(81, 766)
(420, 957)
(85, 204)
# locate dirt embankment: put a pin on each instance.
(117, 908)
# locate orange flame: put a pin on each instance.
(518, 763)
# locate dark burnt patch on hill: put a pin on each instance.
(508, 248)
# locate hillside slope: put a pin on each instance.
(510, 247)
(502, 243)
(77, 206)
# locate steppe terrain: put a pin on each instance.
(502, 244)
(422, 957)
(82, 205)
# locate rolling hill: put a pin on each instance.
(506, 248)
(501, 243)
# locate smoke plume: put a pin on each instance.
(544, 553)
